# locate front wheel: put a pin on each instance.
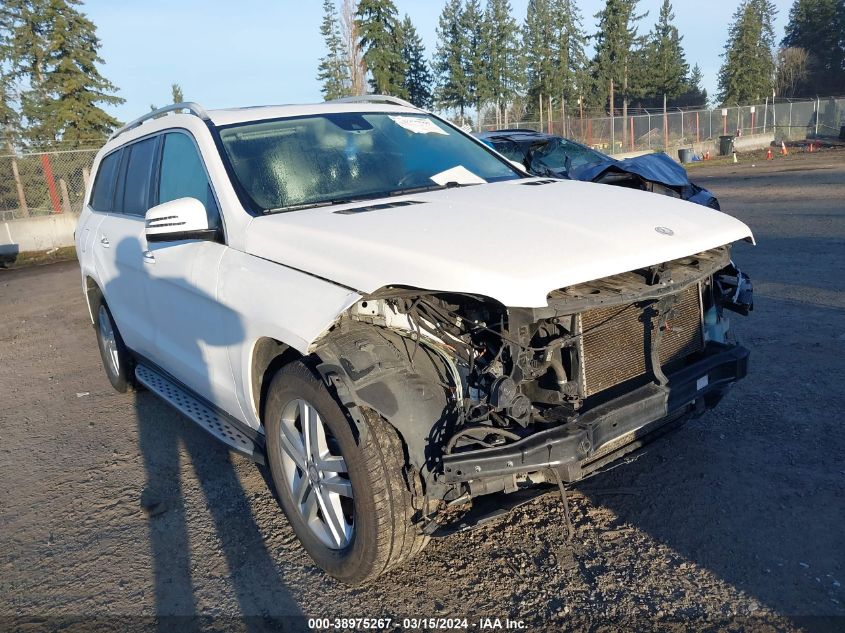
(348, 503)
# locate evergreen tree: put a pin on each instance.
(332, 71)
(747, 74)
(474, 57)
(665, 63)
(502, 53)
(570, 60)
(452, 90)
(417, 82)
(54, 52)
(694, 93)
(176, 93)
(539, 44)
(618, 56)
(381, 41)
(818, 27)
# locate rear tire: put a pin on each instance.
(117, 361)
(373, 526)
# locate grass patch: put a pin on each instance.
(36, 258)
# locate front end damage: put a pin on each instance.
(492, 399)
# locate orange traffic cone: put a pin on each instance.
(769, 154)
(783, 149)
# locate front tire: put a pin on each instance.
(348, 503)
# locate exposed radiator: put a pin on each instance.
(616, 343)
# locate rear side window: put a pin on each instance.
(183, 175)
(139, 169)
(102, 197)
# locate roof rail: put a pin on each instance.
(374, 99)
(193, 108)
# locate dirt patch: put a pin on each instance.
(114, 506)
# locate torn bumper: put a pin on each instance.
(609, 430)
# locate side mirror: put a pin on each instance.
(180, 219)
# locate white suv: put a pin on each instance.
(395, 317)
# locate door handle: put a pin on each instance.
(104, 241)
(149, 258)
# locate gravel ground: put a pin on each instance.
(733, 522)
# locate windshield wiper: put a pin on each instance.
(363, 198)
(313, 205)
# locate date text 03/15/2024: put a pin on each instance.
(379, 624)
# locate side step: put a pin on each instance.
(213, 421)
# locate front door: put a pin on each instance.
(193, 330)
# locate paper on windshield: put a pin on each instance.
(418, 125)
(460, 175)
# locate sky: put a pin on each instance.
(251, 52)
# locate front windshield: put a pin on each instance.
(323, 159)
(560, 154)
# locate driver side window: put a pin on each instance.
(183, 175)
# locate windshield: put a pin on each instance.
(560, 154)
(307, 161)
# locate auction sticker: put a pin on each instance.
(418, 125)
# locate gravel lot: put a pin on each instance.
(734, 522)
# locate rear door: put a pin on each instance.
(120, 246)
(193, 331)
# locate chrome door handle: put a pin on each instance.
(104, 241)
(149, 258)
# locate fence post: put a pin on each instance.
(648, 114)
(665, 126)
(765, 115)
(65, 197)
(51, 183)
(631, 144)
(818, 112)
(697, 128)
(19, 186)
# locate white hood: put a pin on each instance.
(512, 241)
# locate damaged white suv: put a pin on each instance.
(393, 316)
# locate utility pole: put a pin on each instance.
(665, 126)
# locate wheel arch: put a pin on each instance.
(92, 293)
(269, 355)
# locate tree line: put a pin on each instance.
(488, 61)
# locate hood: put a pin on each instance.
(513, 241)
(654, 167)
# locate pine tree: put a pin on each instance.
(417, 82)
(451, 89)
(747, 74)
(818, 27)
(502, 53)
(570, 60)
(694, 93)
(664, 60)
(474, 58)
(176, 94)
(539, 43)
(617, 54)
(332, 69)
(54, 51)
(381, 41)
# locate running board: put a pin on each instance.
(213, 421)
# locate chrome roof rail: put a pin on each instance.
(193, 108)
(375, 99)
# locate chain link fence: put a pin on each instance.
(646, 129)
(43, 183)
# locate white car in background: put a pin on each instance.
(393, 316)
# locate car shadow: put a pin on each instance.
(752, 491)
(169, 446)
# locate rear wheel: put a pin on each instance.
(117, 361)
(347, 502)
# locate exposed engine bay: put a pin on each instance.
(515, 373)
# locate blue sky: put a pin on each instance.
(253, 52)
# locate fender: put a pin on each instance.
(409, 383)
